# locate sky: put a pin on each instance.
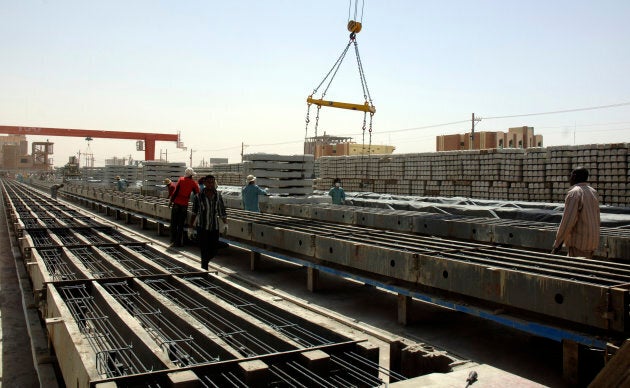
(235, 75)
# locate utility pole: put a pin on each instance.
(472, 132)
(243, 145)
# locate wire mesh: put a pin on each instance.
(114, 356)
(246, 343)
(181, 348)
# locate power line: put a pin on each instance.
(414, 128)
(558, 111)
(446, 124)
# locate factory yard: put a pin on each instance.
(349, 305)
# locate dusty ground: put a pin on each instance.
(17, 361)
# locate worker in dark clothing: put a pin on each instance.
(337, 193)
(54, 189)
(179, 206)
(207, 209)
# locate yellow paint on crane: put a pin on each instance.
(365, 107)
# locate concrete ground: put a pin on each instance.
(17, 360)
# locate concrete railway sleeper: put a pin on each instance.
(110, 300)
(590, 293)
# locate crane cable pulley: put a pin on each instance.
(367, 107)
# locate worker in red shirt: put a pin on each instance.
(179, 205)
(170, 186)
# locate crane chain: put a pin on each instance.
(334, 69)
(366, 90)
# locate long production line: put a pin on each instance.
(126, 298)
(547, 295)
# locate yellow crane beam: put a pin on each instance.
(365, 107)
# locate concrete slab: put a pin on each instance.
(487, 376)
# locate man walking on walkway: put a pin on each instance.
(179, 206)
(207, 209)
(579, 227)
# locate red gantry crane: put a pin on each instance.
(148, 138)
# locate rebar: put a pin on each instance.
(248, 304)
(181, 348)
(132, 265)
(55, 264)
(244, 342)
(114, 356)
(66, 236)
(93, 263)
(166, 262)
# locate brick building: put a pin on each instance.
(327, 145)
(517, 137)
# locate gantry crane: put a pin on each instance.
(148, 138)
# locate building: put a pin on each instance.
(14, 154)
(12, 148)
(327, 145)
(517, 137)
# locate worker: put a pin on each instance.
(207, 209)
(337, 193)
(250, 194)
(121, 183)
(579, 227)
(170, 186)
(179, 205)
(54, 189)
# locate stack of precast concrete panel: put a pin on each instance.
(155, 171)
(281, 174)
(534, 174)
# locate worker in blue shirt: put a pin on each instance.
(121, 183)
(250, 194)
(337, 193)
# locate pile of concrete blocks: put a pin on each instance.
(155, 171)
(227, 167)
(281, 174)
(613, 174)
(224, 177)
(511, 164)
(558, 170)
(489, 166)
(130, 173)
(535, 174)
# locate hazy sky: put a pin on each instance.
(230, 72)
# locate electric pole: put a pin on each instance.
(472, 132)
(243, 145)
